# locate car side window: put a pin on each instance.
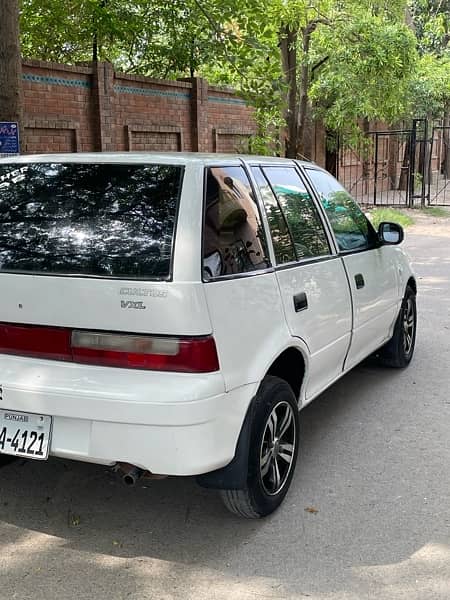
(300, 212)
(233, 235)
(352, 229)
(283, 246)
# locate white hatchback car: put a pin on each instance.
(171, 313)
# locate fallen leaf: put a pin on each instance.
(311, 510)
(74, 520)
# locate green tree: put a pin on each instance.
(367, 75)
(340, 60)
(430, 89)
(345, 59)
(431, 22)
(162, 39)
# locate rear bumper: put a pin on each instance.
(168, 423)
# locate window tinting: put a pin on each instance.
(281, 239)
(110, 220)
(233, 238)
(301, 215)
(352, 229)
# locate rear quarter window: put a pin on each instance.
(107, 220)
(233, 236)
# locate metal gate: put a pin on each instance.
(439, 167)
(389, 168)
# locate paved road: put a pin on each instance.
(374, 462)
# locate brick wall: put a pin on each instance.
(59, 114)
(229, 121)
(92, 108)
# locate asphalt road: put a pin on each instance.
(374, 464)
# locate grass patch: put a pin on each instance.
(377, 215)
(435, 211)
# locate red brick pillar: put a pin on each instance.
(103, 90)
(199, 115)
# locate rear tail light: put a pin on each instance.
(185, 355)
(40, 342)
(188, 355)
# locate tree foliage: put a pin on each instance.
(163, 39)
(340, 60)
(430, 88)
(350, 59)
(431, 21)
(367, 73)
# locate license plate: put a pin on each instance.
(25, 434)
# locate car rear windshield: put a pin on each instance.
(107, 220)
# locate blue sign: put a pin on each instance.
(9, 138)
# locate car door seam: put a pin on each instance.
(352, 312)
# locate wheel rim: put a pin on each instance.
(408, 326)
(277, 450)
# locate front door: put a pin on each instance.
(370, 268)
(311, 277)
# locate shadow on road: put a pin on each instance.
(373, 458)
(358, 468)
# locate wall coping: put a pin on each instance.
(41, 64)
(222, 90)
(152, 81)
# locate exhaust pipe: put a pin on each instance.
(130, 474)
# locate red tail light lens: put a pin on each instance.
(31, 340)
(185, 355)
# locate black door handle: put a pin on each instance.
(300, 302)
(359, 280)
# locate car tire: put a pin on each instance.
(398, 352)
(273, 451)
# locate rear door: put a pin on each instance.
(371, 268)
(311, 277)
(240, 285)
(92, 246)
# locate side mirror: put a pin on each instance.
(390, 233)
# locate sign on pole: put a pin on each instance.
(9, 138)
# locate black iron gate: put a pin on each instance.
(401, 167)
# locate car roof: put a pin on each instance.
(175, 158)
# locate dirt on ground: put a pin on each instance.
(426, 224)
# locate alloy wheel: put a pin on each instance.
(277, 448)
(408, 326)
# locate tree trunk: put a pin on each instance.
(365, 159)
(288, 47)
(11, 108)
(332, 152)
(393, 141)
(307, 135)
(96, 45)
(305, 76)
(304, 88)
